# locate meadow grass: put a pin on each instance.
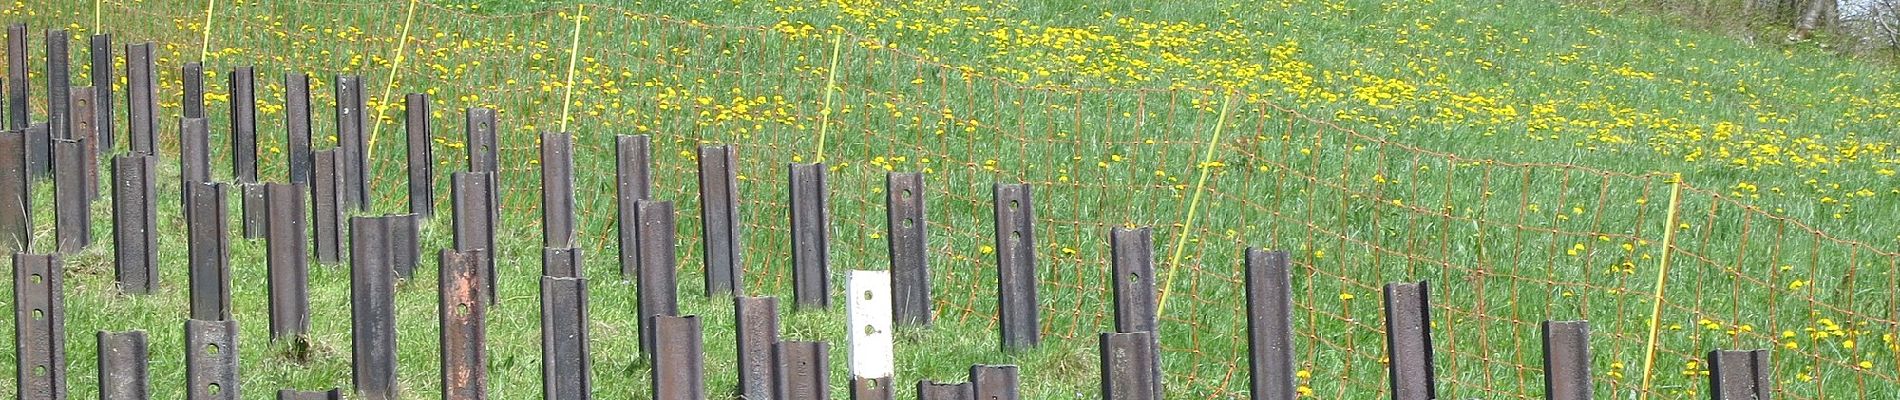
(1373, 148)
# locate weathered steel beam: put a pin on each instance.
(757, 320)
(16, 188)
(998, 382)
(1128, 366)
(1567, 360)
(351, 126)
(679, 368)
(135, 222)
(18, 91)
(803, 370)
(243, 81)
(472, 203)
(326, 199)
(1408, 341)
(102, 82)
(557, 190)
(297, 154)
(562, 263)
(1016, 267)
(1740, 375)
(480, 127)
(124, 373)
(194, 153)
(565, 363)
(72, 216)
(85, 129)
(372, 308)
(464, 337)
(659, 266)
(421, 155)
(1131, 256)
(933, 390)
(39, 320)
(719, 219)
(211, 360)
(1270, 325)
(141, 96)
(811, 236)
(909, 243)
(288, 261)
(208, 250)
(633, 183)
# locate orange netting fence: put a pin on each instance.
(1507, 244)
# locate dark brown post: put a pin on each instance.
(421, 155)
(909, 248)
(1016, 267)
(39, 317)
(1269, 325)
(719, 220)
(1408, 341)
(209, 250)
(811, 236)
(463, 309)
(288, 261)
(1567, 360)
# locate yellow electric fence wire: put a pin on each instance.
(1662, 273)
(831, 79)
(573, 53)
(395, 66)
(204, 49)
(1180, 241)
(96, 5)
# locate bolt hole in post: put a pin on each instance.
(211, 349)
(461, 309)
(212, 388)
(906, 194)
(909, 222)
(36, 279)
(39, 370)
(1134, 277)
(39, 314)
(867, 295)
(869, 330)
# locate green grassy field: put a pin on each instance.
(1516, 153)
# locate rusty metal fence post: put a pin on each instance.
(18, 93)
(909, 246)
(123, 366)
(557, 190)
(350, 126)
(1740, 375)
(933, 390)
(1566, 360)
(679, 367)
(803, 370)
(326, 206)
(479, 125)
(39, 320)
(464, 314)
(297, 154)
(287, 261)
(85, 129)
(719, 219)
(289, 394)
(472, 204)
(1270, 325)
(632, 183)
(208, 250)
(565, 363)
(1408, 341)
(72, 217)
(1016, 267)
(757, 325)
(211, 360)
(135, 222)
(141, 91)
(243, 81)
(372, 309)
(1128, 366)
(193, 76)
(102, 81)
(16, 188)
(658, 284)
(421, 155)
(811, 236)
(194, 154)
(998, 382)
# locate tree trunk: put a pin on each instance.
(1818, 14)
